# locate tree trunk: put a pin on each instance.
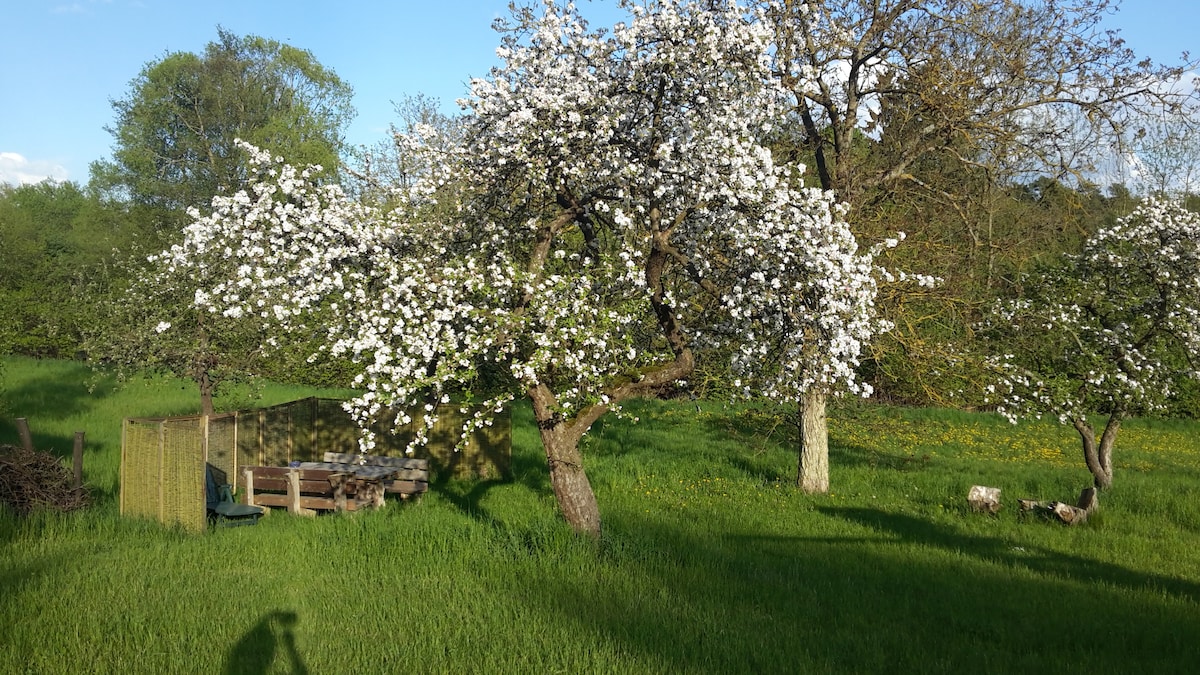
(1107, 440)
(203, 365)
(572, 489)
(812, 474)
(1098, 456)
(204, 381)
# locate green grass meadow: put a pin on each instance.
(710, 562)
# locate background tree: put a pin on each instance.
(389, 169)
(175, 150)
(174, 130)
(1165, 160)
(61, 248)
(994, 89)
(153, 324)
(618, 206)
(1111, 331)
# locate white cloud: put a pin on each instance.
(15, 169)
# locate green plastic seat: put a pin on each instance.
(223, 511)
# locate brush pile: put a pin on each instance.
(37, 480)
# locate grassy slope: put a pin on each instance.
(710, 561)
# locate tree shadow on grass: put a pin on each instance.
(851, 455)
(13, 578)
(767, 436)
(528, 469)
(761, 470)
(757, 602)
(71, 389)
(468, 496)
(62, 447)
(910, 529)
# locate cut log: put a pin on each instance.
(1027, 505)
(1071, 515)
(1061, 511)
(984, 499)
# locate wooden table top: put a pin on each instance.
(360, 470)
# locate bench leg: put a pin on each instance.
(294, 495)
(249, 487)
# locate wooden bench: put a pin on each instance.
(410, 478)
(306, 491)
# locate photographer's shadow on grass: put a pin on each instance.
(911, 529)
(263, 647)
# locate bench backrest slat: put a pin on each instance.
(377, 460)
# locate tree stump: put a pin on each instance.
(1075, 515)
(1089, 500)
(984, 499)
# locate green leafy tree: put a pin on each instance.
(175, 129)
(59, 250)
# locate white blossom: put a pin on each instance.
(1114, 329)
(587, 158)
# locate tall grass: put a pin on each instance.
(710, 560)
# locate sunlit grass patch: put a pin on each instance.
(711, 560)
(1141, 444)
(1154, 444)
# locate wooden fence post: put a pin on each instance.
(79, 436)
(23, 432)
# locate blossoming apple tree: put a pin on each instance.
(1111, 332)
(614, 209)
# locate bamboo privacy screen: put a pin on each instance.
(162, 459)
(162, 466)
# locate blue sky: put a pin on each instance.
(61, 61)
